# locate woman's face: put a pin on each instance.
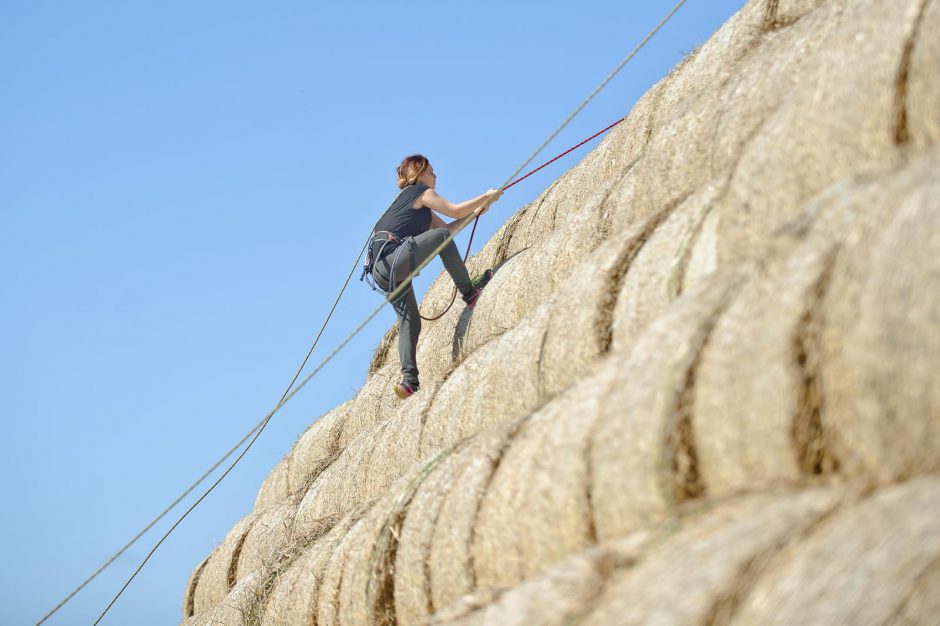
(428, 178)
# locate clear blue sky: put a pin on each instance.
(183, 186)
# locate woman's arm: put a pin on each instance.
(437, 222)
(435, 202)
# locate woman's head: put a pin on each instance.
(413, 169)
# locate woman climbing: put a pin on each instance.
(406, 234)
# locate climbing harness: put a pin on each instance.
(291, 390)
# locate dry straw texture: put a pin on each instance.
(920, 99)
(643, 440)
(218, 574)
(865, 563)
(701, 388)
(881, 346)
(294, 594)
(413, 602)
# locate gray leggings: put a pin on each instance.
(415, 251)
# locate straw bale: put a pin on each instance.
(488, 388)
(762, 359)
(275, 486)
(822, 130)
(316, 448)
(367, 591)
(235, 609)
(189, 597)
(374, 401)
(710, 65)
(337, 489)
(923, 603)
(643, 451)
(386, 351)
(552, 599)
(412, 576)
(703, 257)
(594, 285)
(862, 563)
(394, 448)
(921, 94)
(677, 160)
(450, 563)
(697, 574)
(218, 575)
(268, 535)
(368, 464)
(782, 13)
(763, 78)
(293, 597)
(880, 344)
(654, 277)
(327, 602)
(537, 509)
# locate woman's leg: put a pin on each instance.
(409, 327)
(406, 306)
(426, 243)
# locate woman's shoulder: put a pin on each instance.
(417, 192)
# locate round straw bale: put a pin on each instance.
(784, 12)
(440, 345)
(368, 464)
(189, 598)
(643, 453)
(678, 157)
(566, 355)
(374, 401)
(394, 448)
(698, 572)
(763, 78)
(268, 536)
(316, 448)
(338, 488)
(518, 288)
(238, 608)
(822, 130)
(488, 388)
(367, 592)
(858, 567)
(881, 345)
(922, 105)
(923, 602)
(293, 597)
(450, 564)
(412, 576)
(552, 599)
(703, 257)
(327, 603)
(386, 351)
(654, 277)
(218, 575)
(757, 399)
(536, 509)
(709, 65)
(537, 219)
(275, 487)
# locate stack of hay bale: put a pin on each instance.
(719, 405)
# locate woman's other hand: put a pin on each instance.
(491, 196)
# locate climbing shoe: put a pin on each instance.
(481, 279)
(478, 283)
(404, 390)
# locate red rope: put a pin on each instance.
(466, 255)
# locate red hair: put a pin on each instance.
(411, 169)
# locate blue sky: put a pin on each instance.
(183, 187)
